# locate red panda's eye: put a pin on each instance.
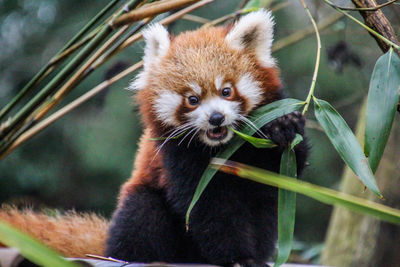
(193, 100)
(226, 92)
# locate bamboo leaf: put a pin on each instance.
(260, 117)
(345, 143)
(286, 205)
(257, 142)
(383, 98)
(31, 249)
(320, 193)
(297, 140)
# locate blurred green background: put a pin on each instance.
(80, 161)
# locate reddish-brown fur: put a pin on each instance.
(72, 234)
(175, 72)
(75, 235)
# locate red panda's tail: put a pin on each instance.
(72, 234)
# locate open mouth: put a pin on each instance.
(217, 133)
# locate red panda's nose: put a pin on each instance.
(216, 119)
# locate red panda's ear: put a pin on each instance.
(157, 44)
(254, 32)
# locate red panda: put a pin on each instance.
(193, 87)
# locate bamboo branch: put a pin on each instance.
(379, 23)
(74, 104)
(317, 60)
(373, 8)
(94, 62)
(45, 70)
(376, 33)
(166, 21)
(155, 9)
(62, 75)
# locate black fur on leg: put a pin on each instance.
(143, 229)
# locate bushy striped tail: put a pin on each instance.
(72, 234)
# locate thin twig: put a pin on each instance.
(61, 76)
(150, 11)
(76, 78)
(375, 8)
(387, 41)
(194, 18)
(74, 104)
(46, 70)
(315, 75)
(165, 21)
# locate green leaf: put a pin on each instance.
(260, 117)
(297, 140)
(31, 249)
(383, 98)
(257, 142)
(286, 206)
(345, 143)
(320, 193)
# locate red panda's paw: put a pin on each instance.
(283, 130)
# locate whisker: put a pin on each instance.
(176, 132)
(186, 135)
(193, 136)
(251, 125)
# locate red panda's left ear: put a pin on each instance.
(254, 32)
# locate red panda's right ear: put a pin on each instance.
(157, 44)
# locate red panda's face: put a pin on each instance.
(203, 82)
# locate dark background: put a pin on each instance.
(80, 161)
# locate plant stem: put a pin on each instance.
(74, 104)
(165, 21)
(315, 75)
(44, 71)
(375, 8)
(387, 41)
(155, 9)
(63, 74)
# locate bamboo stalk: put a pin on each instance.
(45, 70)
(373, 8)
(74, 104)
(63, 74)
(76, 78)
(317, 60)
(83, 73)
(151, 11)
(112, 51)
(164, 21)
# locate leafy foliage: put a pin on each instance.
(383, 98)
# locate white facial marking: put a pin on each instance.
(254, 31)
(250, 89)
(195, 87)
(218, 82)
(201, 115)
(166, 105)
